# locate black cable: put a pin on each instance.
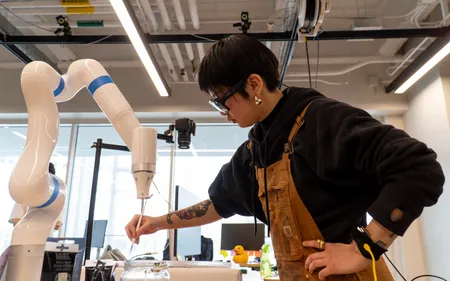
(428, 275)
(415, 278)
(317, 67)
(309, 66)
(396, 269)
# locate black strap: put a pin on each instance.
(361, 237)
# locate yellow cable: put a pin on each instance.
(367, 248)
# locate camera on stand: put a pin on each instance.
(185, 128)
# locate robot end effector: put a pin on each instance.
(143, 152)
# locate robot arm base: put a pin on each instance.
(24, 261)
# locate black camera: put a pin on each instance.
(245, 22)
(185, 128)
(65, 27)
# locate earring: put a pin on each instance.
(257, 100)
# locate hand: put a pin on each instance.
(57, 225)
(148, 226)
(336, 259)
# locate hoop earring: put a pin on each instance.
(257, 100)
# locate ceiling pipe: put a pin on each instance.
(167, 60)
(138, 63)
(182, 24)
(345, 60)
(148, 13)
(196, 24)
(201, 51)
(59, 11)
(179, 58)
(347, 69)
(168, 27)
(106, 23)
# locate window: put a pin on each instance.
(116, 196)
(195, 169)
(11, 147)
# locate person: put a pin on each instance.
(312, 169)
(19, 210)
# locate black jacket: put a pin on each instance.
(345, 163)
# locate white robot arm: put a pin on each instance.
(30, 183)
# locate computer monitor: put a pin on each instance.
(98, 233)
(187, 240)
(242, 234)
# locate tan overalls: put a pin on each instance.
(291, 222)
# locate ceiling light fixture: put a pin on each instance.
(128, 19)
(429, 58)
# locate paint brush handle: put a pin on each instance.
(137, 227)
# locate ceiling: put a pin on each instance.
(353, 71)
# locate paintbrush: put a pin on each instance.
(143, 204)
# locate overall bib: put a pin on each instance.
(291, 222)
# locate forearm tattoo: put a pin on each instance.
(381, 244)
(195, 211)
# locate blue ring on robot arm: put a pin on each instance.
(99, 82)
(54, 194)
(60, 87)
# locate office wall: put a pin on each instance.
(406, 252)
(427, 119)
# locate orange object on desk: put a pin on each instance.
(253, 253)
(241, 256)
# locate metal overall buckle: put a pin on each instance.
(288, 148)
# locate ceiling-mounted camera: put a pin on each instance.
(65, 27)
(245, 22)
(185, 127)
(311, 16)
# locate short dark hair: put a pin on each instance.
(51, 168)
(234, 59)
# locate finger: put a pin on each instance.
(313, 257)
(317, 264)
(132, 226)
(128, 231)
(141, 231)
(310, 244)
(324, 273)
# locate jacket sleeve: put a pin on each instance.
(230, 192)
(353, 146)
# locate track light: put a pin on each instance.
(134, 31)
(429, 58)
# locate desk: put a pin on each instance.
(194, 274)
(251, 265)
(254, 276)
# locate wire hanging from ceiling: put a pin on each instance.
(308, 62)
(317, 63)
(24, 20)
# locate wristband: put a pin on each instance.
(361, 237)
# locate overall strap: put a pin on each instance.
(288, 148)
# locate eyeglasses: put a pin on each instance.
(219, 102)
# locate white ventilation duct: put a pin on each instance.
(168, 27)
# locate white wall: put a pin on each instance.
(428, 120)
(406, 252)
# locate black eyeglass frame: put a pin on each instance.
(219, 103)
